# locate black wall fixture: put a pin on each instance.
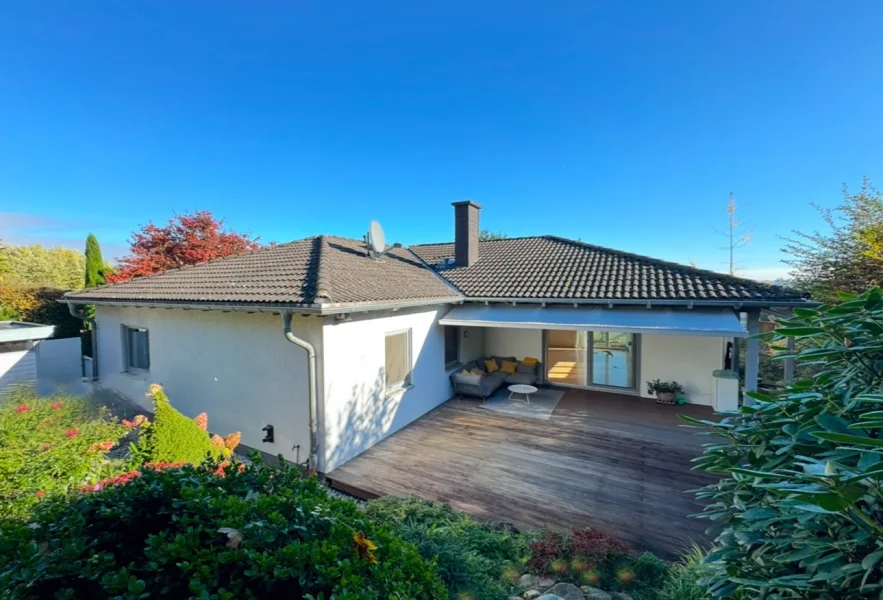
(269, 437)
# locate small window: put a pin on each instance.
(452, 346)
(136, 347)
(398, 359)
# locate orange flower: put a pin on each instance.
(128, 423)
(365, 548)
(58, 406)
(217, 441)
(232, 440)
(220, 472)
(202, 420)
(40, 493)
(21, 408)
(162, 466)
(139, 419)
(103, 446)
(72, 432)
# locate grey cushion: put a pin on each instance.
(521, 379)
(529, 369)
(467, 379)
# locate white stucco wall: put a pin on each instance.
(237, 367)
(18, 366)
(471, 343)
(519, 343)
(357, 411)
(689, 360)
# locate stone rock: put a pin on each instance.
(527, 581)
(596, 594)
(622, 596)
(567, 591)
(514, 597)
(531, 594)
(550, 597)
(545, 583)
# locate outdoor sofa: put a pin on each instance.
(487, 383)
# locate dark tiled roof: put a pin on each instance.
(552, 267)
(320, 269)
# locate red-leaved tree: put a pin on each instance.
(188, 239)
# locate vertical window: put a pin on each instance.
(136, 348)
(398, 359)
(452, 346)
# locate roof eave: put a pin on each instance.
(735, 303)
(268, 307)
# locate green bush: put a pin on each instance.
(589, 557)
(684, 577)
(174, 437)
(184, 532)
(49, 446)
(798, 511)
(475, 560)
(38, 305)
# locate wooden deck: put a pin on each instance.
(616, 463)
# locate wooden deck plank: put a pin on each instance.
(616, 463)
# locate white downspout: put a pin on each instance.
(311, 378)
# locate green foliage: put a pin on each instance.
(486, 235)
(49, 446)
(849, 257)
(38, 305)
(173, 437)
(94, 263)
(477, 560)
(657, 386)
(683, 578)
(186, 533)
(799, 511)
(38, 266)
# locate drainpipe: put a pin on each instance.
(311, 375)
(93, 333)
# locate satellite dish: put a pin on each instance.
(376, 237)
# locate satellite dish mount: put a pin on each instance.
(376, 240)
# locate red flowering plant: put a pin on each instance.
(49, 446)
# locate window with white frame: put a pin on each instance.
(136, 348)
(398, 359)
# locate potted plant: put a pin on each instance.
(666, 392)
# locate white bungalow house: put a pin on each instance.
(318, 349)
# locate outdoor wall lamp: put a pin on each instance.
(269, 434)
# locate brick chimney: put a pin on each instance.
(465, 233)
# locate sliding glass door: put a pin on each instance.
(591, 358)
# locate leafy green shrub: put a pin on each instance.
(49, 446)
(798, 512)
(683, 581)
(184, 532)
(589, 557)
(38, 305)
(174, 437)
(475, 560)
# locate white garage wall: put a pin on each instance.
(357, 411)
(519, 343)
(689, 360)
(237, 367)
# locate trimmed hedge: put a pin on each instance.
(185, 532)
(38, 305)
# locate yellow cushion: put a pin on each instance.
(476, 371)
(530, 361)
(509, 367)
(465, 372)
(491, 365)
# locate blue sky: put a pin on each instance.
(626, 124)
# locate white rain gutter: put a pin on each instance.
(93, 333)
(689, 303)
(311, 383)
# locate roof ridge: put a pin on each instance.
(323, 271)
(506, 239)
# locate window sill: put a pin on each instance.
(139, 374)
(453, 367)
(398, 390)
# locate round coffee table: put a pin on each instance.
(524, 390)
